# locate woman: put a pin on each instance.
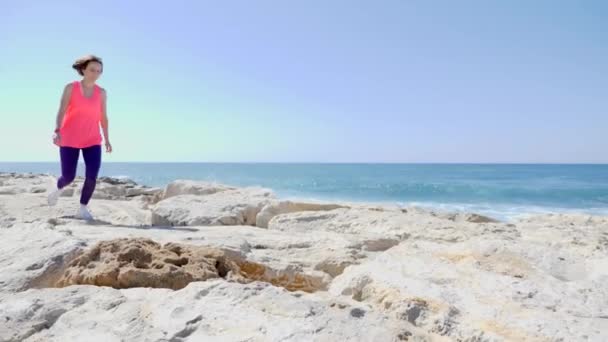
(82, 110)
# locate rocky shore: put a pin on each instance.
(198, 261)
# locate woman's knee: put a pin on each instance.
(68, 179)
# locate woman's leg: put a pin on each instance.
(69, 162)
(92, 161)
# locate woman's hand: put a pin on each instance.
(108, 147)
(56, 138)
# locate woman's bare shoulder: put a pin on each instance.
(68, 87)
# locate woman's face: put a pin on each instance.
(92, 71)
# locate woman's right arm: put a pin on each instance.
(65, 100)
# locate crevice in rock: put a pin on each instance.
(190, 327)
(222, 269)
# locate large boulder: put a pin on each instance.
(190, 187)
(229, 207)
(273, 209)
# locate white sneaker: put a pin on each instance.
(83, 213)
(54, 197)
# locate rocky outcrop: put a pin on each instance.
(311, 271)
(127, 263)
(283, 207)
(229, 207)
(189, 187)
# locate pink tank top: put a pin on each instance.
(80, 126)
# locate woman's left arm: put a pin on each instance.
(104, 120)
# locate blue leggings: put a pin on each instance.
(69, 162)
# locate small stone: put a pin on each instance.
(356, 312)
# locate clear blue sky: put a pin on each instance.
(321, 81)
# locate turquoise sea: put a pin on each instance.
(499, 190)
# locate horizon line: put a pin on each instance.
(321, 162)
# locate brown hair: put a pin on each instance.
(81, 63)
